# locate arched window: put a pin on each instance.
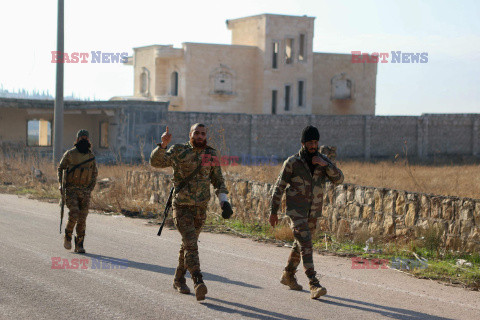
(174, 83)
(342, 87)
(144, 82)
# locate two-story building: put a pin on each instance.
(270, 68)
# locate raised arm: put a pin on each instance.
(160, 157)
(334, 174)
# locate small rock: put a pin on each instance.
(154, 198)
(104, 183)
(463, 262)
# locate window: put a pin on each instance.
(300, 93)
(144, 81)
(287, 97)
(274, 101)
(104, 134)
(174, 83)
(288, 50)
(39, 133)
(275, 55)
(301, 48)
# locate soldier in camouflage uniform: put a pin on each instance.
(190, 203)
(305, 173)
(81, 177)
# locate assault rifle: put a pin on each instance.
(62, 201)
(165, 212)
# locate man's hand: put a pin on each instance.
(320, 161)
(273, 219)
(166, 138)
(226, 209)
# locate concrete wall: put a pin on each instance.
(278, 29)
(13, 125)
(363, 76)
(203, 61)
(144, 58)
(348, 209)
(133, 124)
(248, 31)
(365, 137)
(167, 61)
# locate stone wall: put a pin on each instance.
(348, 209)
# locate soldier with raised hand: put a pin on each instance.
(305, 173)
(190, 202)
(81, 177)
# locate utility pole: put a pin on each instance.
(58, 107)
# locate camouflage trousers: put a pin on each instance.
(77, 201)
(189, 221)
(303, 230)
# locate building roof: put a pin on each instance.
(268, 15)
(75, 105)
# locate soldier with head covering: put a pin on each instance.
(305, 174)
(80, 179)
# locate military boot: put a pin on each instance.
(179, 282)
(316, 290)
(200, 287)
(67, 241)
(79, 244)
(289, 279)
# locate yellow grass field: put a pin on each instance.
(17, 175)
(446, 180)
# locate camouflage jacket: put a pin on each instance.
(305, 192)
(184, 159)
(85, 176)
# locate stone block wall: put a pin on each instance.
(366, 137)
(136, 126)
(348, 209)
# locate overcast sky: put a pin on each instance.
(449, 31)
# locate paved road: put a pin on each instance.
(241, 275)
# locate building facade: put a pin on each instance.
(129, 130)
(119, 130)
(270, 68)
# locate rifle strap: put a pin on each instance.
(78, 165)
(184, 182)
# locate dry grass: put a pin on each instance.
(447, 180)
(283, 232)
(17, 176)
